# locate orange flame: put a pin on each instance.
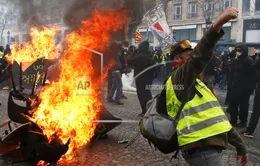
(62, 110)
(41, 46)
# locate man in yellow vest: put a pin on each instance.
(203, 129)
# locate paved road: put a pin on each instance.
(109, 153)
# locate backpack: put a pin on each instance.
(160, 129)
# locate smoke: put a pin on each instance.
(28, 10)
(82, 9)
(73, 12)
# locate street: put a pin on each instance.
(108, 152)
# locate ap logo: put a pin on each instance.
(83, 86)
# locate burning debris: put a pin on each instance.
(56, 117)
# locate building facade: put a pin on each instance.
(187, 19)
(16, 30)
(249, 24)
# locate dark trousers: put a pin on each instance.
(223, 81)
(143, 93)
(241, 102)
(256, 113)
(163, 72)
(116, 86)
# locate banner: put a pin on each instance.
(156, 21)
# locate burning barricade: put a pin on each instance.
(56, 120)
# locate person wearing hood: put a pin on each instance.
(242, 85)
(141, 60)
(255, 67)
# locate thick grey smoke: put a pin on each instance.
(74, 12)
(82, 9)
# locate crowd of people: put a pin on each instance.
(129, 57)
(238, 73)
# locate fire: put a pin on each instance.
(41, 46)
(62, 111)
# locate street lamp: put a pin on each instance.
(8, 37)
(208, 23)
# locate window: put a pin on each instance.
(257, 5)
(177, 11)
(246, 6)
(150, 36)
(209, 8)
(184, 34)
(192, 9)
(225, 4)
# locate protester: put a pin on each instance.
(209, 73)
(242, 85)
(168, 65)
(163, 67)
(232, 56)
(116, 76)
(123, 55)
(217, 68)
(140, 61)
(157, 59)
(109, 55)
(7, 50)
(224, 71)
(203, 129)
(256, 107)
(1, 51)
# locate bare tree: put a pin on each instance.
(5, 19)
(209, 7)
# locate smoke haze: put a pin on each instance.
(73, 12)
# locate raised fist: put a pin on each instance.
(228, 14)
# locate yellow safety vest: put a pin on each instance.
(163, 61)
(1, 54)
(155, 56)
(200, 118)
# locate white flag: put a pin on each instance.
(156, 21)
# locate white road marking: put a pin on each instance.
(129, 92)
(114, 121)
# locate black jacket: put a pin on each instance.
(115, 53)
(255, 67)
(141, 60)
(241, 78)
